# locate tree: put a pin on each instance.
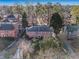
(39, 9)
(56, 8)
(75, 12)
(18, 8)
(9, 10)
(24, 20)
(56, 22)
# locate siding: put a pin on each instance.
(6, 33)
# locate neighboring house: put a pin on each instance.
(10, 18)
(7, 30)
(39, 31)
(72, 31)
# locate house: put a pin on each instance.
(10, 18)
(72, 31)
(8, 30)
(39, 31)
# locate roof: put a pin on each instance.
(12, 17)
(6, 27)
(39, 28)
(71, 28)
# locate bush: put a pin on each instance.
(46, 44)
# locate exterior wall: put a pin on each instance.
(7, 33)
(37, 34)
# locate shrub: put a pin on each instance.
(46, 44)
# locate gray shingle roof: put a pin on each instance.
(71, 28)
(11, 17)
(39, 29)
(6, 27)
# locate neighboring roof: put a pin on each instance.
(6, 27)
(39, 28)
(12, 17)
(71, 28)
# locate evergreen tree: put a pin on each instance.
(24, 20)
(56, 22)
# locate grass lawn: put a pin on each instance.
(4, 42)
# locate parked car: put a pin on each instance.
(38, 31)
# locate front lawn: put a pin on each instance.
(4, 42)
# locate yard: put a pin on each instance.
(4, 42)
(75, 44)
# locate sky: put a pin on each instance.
(63, 2)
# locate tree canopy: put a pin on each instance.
(56, 8)
(75, 12)
(56, 22)
(24, 20)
